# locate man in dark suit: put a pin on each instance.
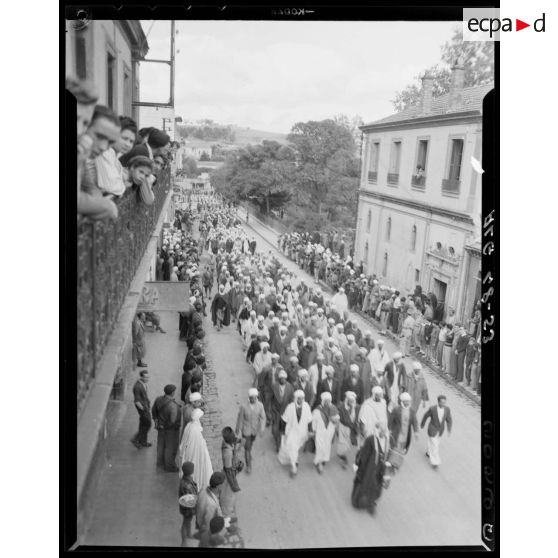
(439, 415)
(331, 384)
(143, 406)
(283, 394)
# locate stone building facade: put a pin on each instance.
(420, 198)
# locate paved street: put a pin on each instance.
(136, 505)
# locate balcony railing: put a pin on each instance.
(393, 178)
(450, 186)
(372, 176)
(109, 253)
(418, 181)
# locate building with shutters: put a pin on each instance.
(114, 258)
(108, 53)
(420, 198)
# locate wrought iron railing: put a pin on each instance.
(109, 253)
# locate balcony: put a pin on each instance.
(451, 187)
(393, 178)
(372, 176)
(108, 255)
(418, 182)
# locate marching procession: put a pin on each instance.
(322, 386)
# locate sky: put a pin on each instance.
(268, 75)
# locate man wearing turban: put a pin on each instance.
(373, 413)
(298, 422)
(402, 420)
(324, 420)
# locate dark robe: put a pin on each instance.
(394, 426)
(348, 385)
(220, 302)
(367, 486)
(345, 420)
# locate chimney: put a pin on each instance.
(457, 83)
(426, 94)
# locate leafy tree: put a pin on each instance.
(478, 60)
(190, 166)
(205, 157)
(353, 124)
(259, 173)
(325, 163)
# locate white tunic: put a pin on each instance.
(378, 361)
(296, 433)
(324, 437)
(372, 412)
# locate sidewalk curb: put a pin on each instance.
(442, 375)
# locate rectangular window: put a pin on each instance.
(418, 179)
(81, 56)
(421, 156)
(417, 276)
(394, 162)
(374, 158)
(452, 184)
(455, 161)
(111, 66)
(127, 91)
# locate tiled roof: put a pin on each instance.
(471, 100)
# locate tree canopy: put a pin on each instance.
(478, 58)
(317, 172)
(190, 166)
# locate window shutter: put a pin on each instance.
(81, 57)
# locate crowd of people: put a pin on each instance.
(115, 159)
(319, 383)
(206, 496)
(417, 320)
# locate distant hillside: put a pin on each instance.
(245, 136)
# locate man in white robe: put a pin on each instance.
(341, 303)
(378, 358)
(261, 360)
(342, 341)
(324, 420)
(298, 419)
(193, 448)
(373, 413)
(319, 342)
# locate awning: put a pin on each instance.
(165, 296)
